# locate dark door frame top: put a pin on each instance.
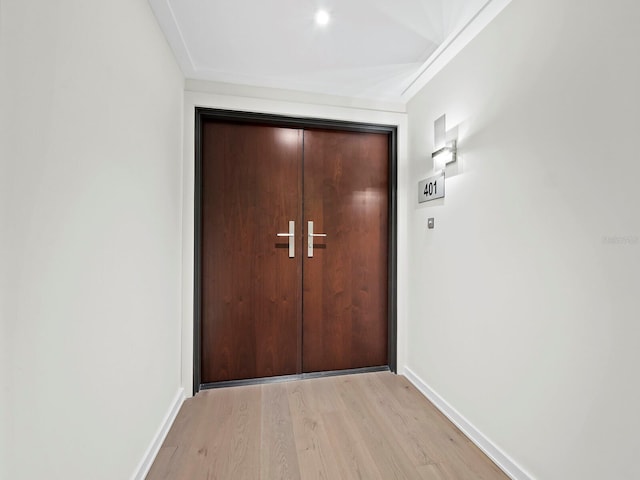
(203, 115)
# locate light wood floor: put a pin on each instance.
(373, 426)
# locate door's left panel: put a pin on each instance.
(251, 288)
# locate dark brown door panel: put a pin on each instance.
(251, 289)
(345, 282)
(263, 313)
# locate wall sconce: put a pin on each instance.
(445, 152)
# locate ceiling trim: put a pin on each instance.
(453, 45)
(167, 20)
(298, 96)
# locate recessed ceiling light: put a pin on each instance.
(322, 17)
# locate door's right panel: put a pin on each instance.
(345, 282)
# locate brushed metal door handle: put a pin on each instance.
(292, 238)
(310, 238)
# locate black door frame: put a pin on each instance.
(203, 115)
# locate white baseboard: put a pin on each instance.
(150, 455)
(501, 459)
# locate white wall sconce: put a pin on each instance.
(444, 152)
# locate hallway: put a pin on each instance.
(366, 426)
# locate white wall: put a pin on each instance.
(524, 307)
(4, 274)
(90, 148)
(203, 94)
(4, 257)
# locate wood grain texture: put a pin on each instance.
(313, 445)
(373, 426)
(253, 294)
(251, 290)
(278, 457)
(345, 283)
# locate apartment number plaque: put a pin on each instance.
(431, 188)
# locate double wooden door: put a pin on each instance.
(276, 300)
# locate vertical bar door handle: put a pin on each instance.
(292, 238)
(310, 241)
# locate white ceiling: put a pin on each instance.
(371, 48)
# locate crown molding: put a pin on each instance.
(453, 45)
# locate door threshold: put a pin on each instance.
(290, 378)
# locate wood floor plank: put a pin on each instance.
(315, 454)
(434, 471)
(322, 396)
(353, 459)
(446, 444)
(243, 443)
(389, 457)
(279, 457)
(406, 428)
(425, 434)
(374, 426)
(181, 436)
(206, 457)
(163, 462)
